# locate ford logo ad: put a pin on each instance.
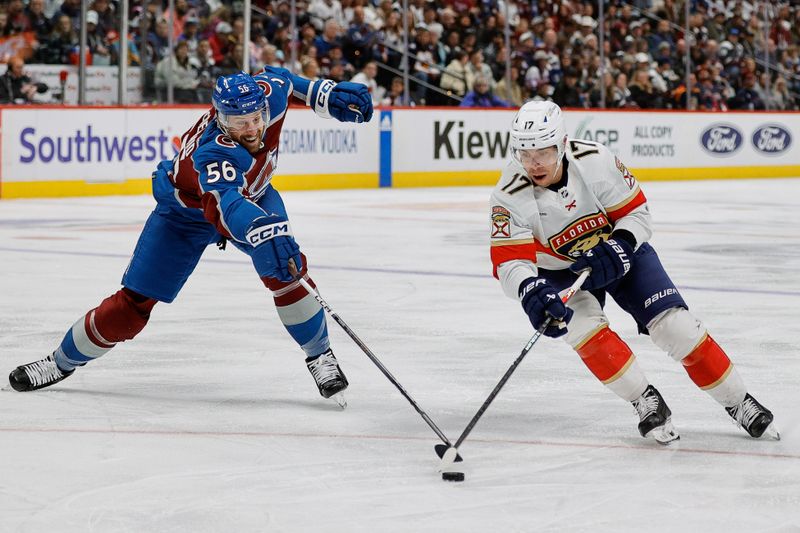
(771, 139)
(721, 139)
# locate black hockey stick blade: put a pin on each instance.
(441, 448)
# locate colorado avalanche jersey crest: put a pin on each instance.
(209, 165)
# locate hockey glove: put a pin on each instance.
(273, 247)
(609, 261)
(540, 300)
(344, 101)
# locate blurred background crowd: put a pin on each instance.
(743, 54)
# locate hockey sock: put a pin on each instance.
(118, 318)
(712, 371)
(301, 314)
(613, 363)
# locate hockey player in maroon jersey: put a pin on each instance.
(564, 205)
(218, 187)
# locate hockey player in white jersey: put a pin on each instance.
(564, 205)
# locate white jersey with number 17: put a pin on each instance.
(535, 227)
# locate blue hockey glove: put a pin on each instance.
(609, 261)
(540, 300)
(350, 102)
(273, 247)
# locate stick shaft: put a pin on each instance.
(569, 294)
(375, 360)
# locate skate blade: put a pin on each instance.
(771, 432)
(340, 400)
(665, 434)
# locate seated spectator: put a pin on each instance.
(207, 71)
(99, 47)
(323, 10)
(544, 92)
(567, 92)
(107, 17)
(336, 72)
(191, 33)
(367, 77)
(39, 21)
(328, 38)
(16, 87)
(642, 91)
(747, 96)
(269, 56)
(514, 94)
(457, 76)
(481, 96)
(424, 63)
(477, 68)
(396, 95)
(780, 99)
(359, 39)
(232, 62)
(539, 71)
(158, 40)
(309, 68)
(182, 70)
(621, 96)
(16, 21)
(220, 41)
(56, 49)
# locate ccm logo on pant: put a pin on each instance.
(262, 234)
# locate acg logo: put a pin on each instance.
(771, 139)
(721, 139)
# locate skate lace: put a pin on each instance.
(745, 413)
(646, 405)
(324, 368)
(43, 371)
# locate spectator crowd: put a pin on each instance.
(458, 51)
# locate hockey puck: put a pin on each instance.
(453, 476)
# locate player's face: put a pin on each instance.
(247, 130)
(541, 165)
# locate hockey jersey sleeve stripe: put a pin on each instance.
(512, 242)
(618, 211)
(502, 254)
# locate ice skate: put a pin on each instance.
(330, 379)
(754, 418)
(655, 418)
(37, 375)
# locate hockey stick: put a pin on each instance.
(448, 454)
(374, 359)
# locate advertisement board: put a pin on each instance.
(455, 146)
(58, 151)
(62, 151)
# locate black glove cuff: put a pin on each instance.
(624, 235)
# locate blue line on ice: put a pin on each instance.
(728, 290)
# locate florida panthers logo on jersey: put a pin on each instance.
(580, 236)
(501, 223)
(626, 174)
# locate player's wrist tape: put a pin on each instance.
(261, 234)
(322, 92)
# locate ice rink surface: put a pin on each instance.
(210, 422)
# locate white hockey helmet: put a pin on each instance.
(538, 125)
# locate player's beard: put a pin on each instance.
(254, 144)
